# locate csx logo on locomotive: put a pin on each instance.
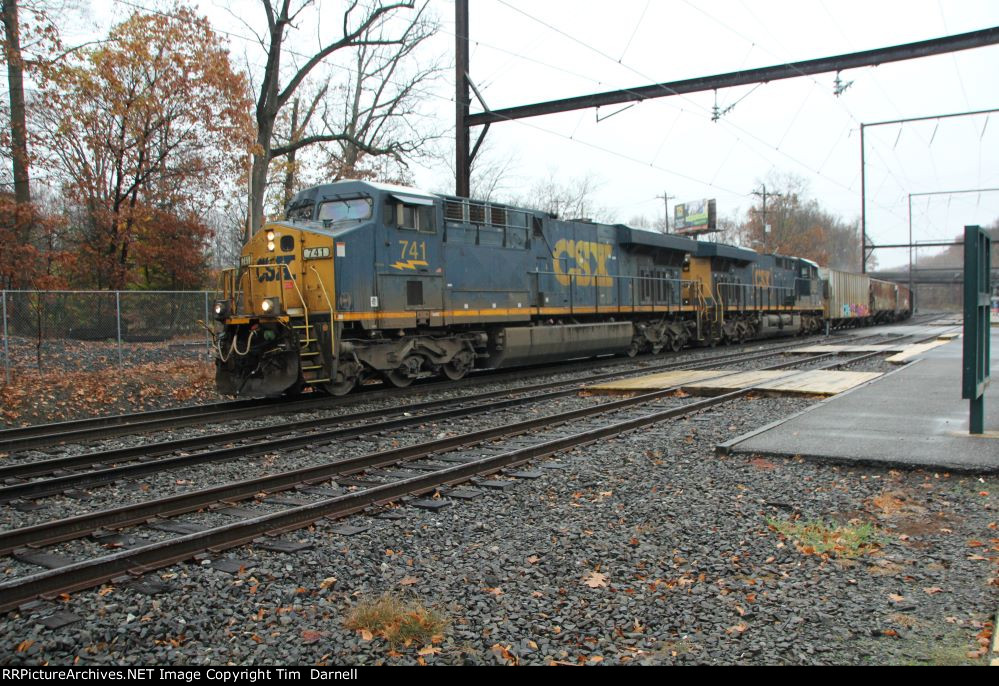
(272, 274)
(591, 263)
(761, 278)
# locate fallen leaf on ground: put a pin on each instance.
(595, 580)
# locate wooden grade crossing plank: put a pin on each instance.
(736, 381)
(820, 382)
(845, 348)
(716, 381)
(655, 382)
(914, 350)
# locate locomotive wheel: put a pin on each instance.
(404, 374)
(458, 367)
(632, 349)
(342, 387)
(399, 379)
(675, 344)
(346, 379)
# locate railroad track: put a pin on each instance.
(429, 467)
(289, 436)
(43, 435)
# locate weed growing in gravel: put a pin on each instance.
(950, 649)
(398, 621)
(816, 537)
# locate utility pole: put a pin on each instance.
(666, 197)
(762, 194)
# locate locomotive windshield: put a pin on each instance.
(336, 211)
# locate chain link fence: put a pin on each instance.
(45, 331)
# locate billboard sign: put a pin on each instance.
(695, 217)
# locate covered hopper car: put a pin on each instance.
(364, 279)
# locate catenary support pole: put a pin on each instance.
(462, 100)
(863, 206)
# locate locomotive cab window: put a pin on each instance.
(341, 211)
(412, 213)
(416, 218)
(300, 212)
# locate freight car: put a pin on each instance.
(364, 279)
(853, 300)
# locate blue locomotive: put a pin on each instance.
(366, 279)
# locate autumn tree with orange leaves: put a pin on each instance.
(146, 132)
(798, 225)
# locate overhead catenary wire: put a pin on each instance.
(572, 137)
(725, 122)
(840, 103)
(638, 25)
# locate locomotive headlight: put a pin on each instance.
(221, 309)
(269, 305)
(270, 235)
(270, 246)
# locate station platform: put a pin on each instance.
(912, 417)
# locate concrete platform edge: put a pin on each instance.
(727, 448)
(730, 447)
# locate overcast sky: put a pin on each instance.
(525, 52)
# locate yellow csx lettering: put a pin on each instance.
(586, 256)
(761, 279)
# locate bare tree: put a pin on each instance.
(494, 173)
(378, 109)
(359, 28)
(570, 199)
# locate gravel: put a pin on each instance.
(677, 544)
(646, 548)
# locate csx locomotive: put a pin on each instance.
(365, 279)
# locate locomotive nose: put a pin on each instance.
(271, 284)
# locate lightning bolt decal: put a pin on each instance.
(409, 264)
